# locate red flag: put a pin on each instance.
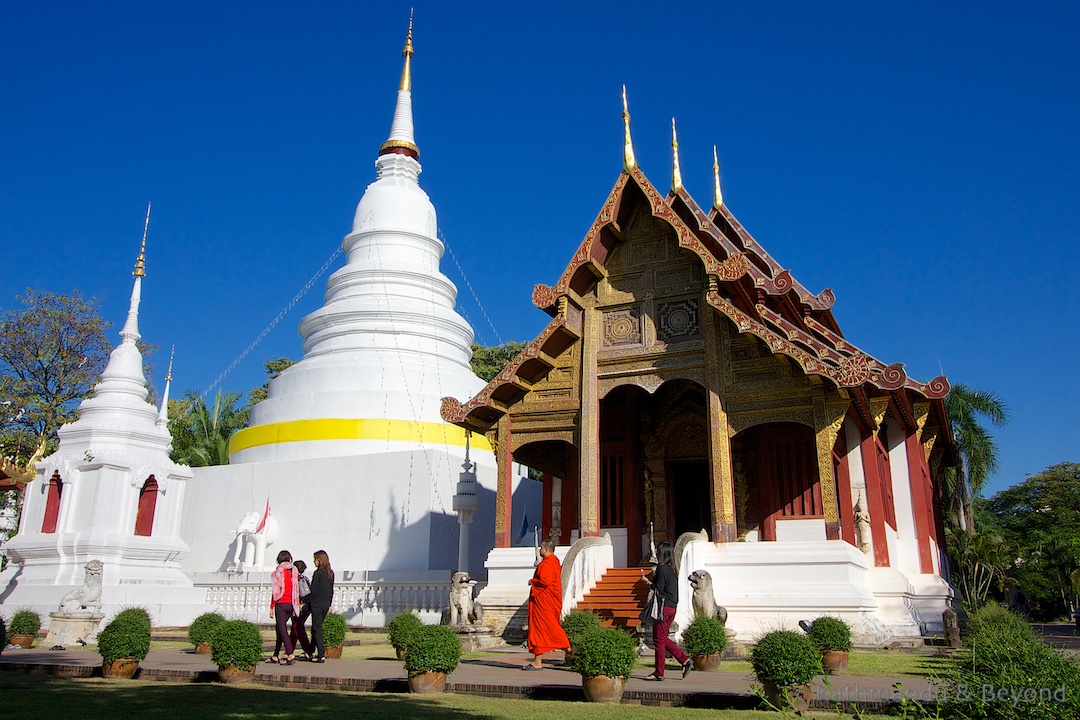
(266, 514)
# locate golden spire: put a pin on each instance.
(140, 264)
(407, 52)
(628, 147)
(718, 197)
(676, 176)
(172, 353)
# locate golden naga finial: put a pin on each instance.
(140, 264)
(676, 175)
(172, 353)
(718, 197)
(628, 147)
(407, 52)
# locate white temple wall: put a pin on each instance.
(907, 543)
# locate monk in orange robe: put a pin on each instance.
(545, 607)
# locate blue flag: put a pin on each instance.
(524, 526)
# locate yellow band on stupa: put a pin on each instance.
(354, 429)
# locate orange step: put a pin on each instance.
(618, 598)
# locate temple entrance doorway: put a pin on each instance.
(776, 477)
(690, 504)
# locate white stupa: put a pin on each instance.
(108, 493)
(388, 344)
(349, 449)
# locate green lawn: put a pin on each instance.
(45, 698)
(871, 663)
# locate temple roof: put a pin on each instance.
(746, 285)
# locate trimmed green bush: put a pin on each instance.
(203, 627)
(401, 627)
(704, 636)
(1003, 654)
(334, 628)
(126, 636)
(24, 622)
(236, 642)
(785, 659)
(830, 633)
(607, 651)
(578, 623)
(432, 648)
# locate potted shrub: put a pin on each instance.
(123, 643)
(399, 630)
(431, 653)
(785, 662)
(236, 648)
(333, 630)
(201, 629)
(605, 659)
(704, 639)
(23, 628)
(576, 625)
(833, 639)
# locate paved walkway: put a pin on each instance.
(499, 676)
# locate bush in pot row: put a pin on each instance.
(830, 633)
(24, 622)
(401, 628)
(785, 662)
(236, 643)
(704, 636)
(334, 629)
(432, 648)
(202, 628)
(126, 636)
(607, 651)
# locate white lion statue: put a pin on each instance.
(87, 597)
(463, 609)
(704, 599)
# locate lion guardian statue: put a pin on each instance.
(87, 597)
(704, 599)
(463, 609)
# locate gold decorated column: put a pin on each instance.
(828, 419)
(722, 486)
(589, 440)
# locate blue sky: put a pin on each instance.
(921, 159)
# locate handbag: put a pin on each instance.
(654, 607)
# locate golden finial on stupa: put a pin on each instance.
(140, 264)
(676, 175)
(172, 353)
(718, 197)
(628, 147)
(407, 52)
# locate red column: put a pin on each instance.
(52, 504)
(921, 501)
(144, 518)
(843, 490)
(868, 451)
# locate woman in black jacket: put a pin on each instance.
(666, 586)
(322, 594)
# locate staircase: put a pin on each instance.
(618, 598)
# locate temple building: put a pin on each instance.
(688, 382)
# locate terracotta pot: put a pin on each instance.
(122, 668)
(400, 651)
(23, 641)
(707, 663)
(334, 653)
(429, 682)
(203, 649)
(603, 689)
(834, 661)
(795, 697)
(233, 675)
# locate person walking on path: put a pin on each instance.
(545, 608)
(284, 602)
(299, 634)
(322, 594)
(666, 586)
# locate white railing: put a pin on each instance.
(588, 559)
(369, 603)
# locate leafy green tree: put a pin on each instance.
(273, 368)
(201, 432)
(978, 451)
(1040, 519)
(488, 361)
(52, 350)
(977, 560)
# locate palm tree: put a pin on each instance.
(201, 433)
(976, 447)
